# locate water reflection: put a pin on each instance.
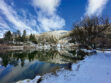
(19, 65)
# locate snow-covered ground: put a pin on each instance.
(93, 69)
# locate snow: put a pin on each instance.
(93, 69)
(30, 81)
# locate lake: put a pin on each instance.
(20, 65)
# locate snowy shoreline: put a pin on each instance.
(93, 69)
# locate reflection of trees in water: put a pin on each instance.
(53, 56)
(78, 54)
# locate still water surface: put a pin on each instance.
(20, 65)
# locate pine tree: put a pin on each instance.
(32, 38)
(8, 36)
(24, 36)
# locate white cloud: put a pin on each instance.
(95, 7)
(48, 6)
(53, 22)
(47, 15)
(3, 24)
(12, 16)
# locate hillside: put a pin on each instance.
(60, 35)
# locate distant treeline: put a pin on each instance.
(14, 37)
(17, 38)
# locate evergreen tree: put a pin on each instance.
(32, 38)
(17, 35)
(24, 36)
(8, 36)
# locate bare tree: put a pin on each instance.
(85, 32)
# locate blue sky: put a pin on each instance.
(38, 16)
